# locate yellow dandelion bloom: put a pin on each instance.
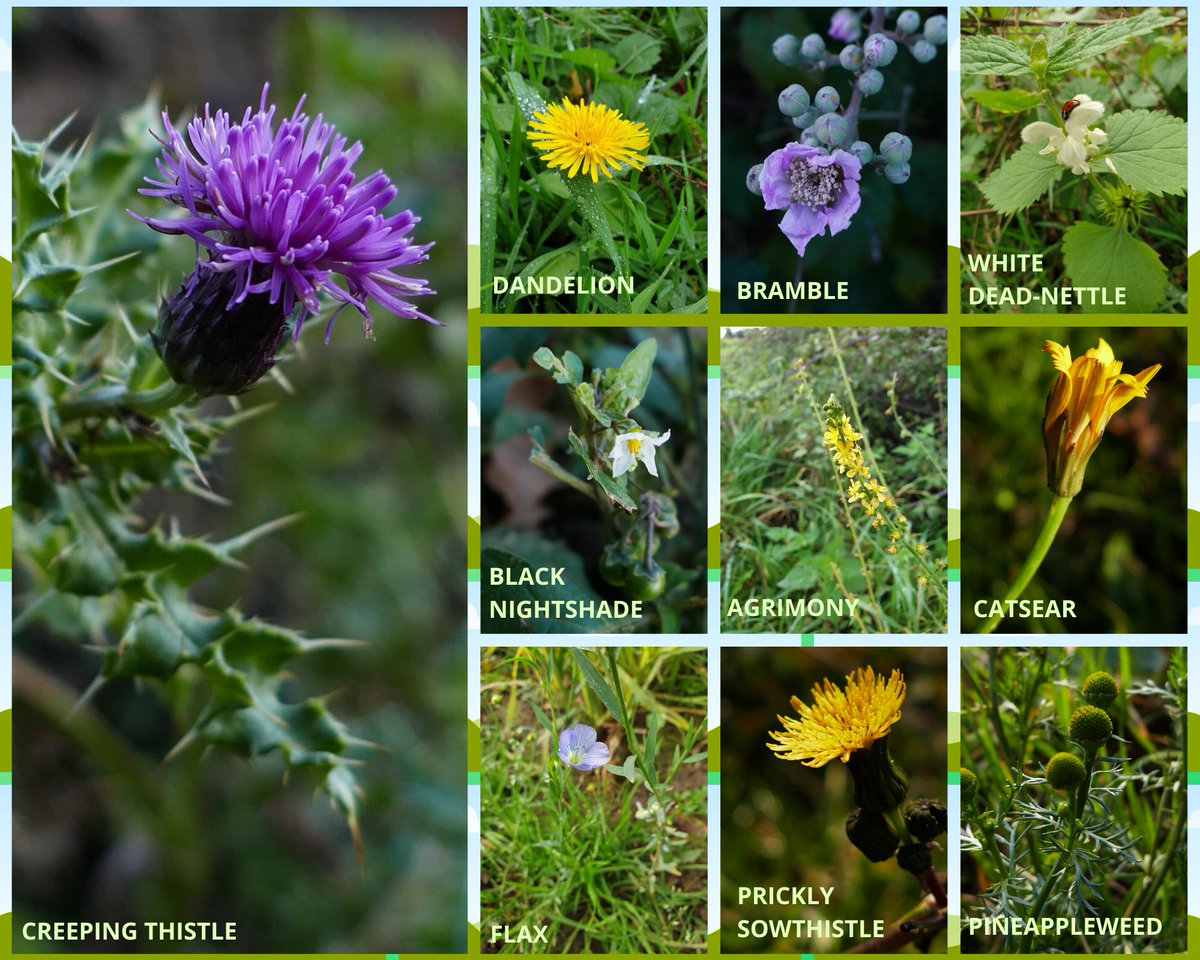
(840, 721)
(1085, 395)
(587, 138)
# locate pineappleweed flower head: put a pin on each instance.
(840, 722)
(577, 747)
(282, 211)
(591, 139)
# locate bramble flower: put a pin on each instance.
(1079, 143)
(844, 25)
(629, 448)
(577, 747)
(818, 189)
(591, 139)
(840, 722)
(1085, 395)
(278, 213)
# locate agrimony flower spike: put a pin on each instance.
(591, 139)
(1085, 395)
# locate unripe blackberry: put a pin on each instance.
(872, 835)
(914, 857)
(1099, 689)
(925, 819)
(1090, 726)
(968, 786)
(1065, 771)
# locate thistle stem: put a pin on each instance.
(109, 399)
(1058, 510)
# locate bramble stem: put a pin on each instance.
(1058, 510)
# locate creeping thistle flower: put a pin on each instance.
(630, 448)
(591, 139)
(850, 725)
(278, 212)
(1076, 141)
(577, 747)
(1085, 395)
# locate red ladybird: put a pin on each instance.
(1067, 108)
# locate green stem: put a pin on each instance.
(108, 400)
(1047, 889)
(1058, 510)
(540, 459)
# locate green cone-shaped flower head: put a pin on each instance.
(1065, 771)
(1090, 726)
(1099, 689)
(968, 786)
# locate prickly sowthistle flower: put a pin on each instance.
(591, 139)
(278, 213)
(1085, 395)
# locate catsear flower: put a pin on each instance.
(577, 747)
(1076, 141)
(817, 188)
(278, 213)
(1085, 395)
(840, 722)
(629, 448)
(587, 138)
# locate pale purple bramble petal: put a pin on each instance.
(818, 189)
(577, 747)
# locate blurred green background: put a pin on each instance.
(894, 252)
(1121, 551)
(784, 824)
(370, 449)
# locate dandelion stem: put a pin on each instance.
(1058, 510)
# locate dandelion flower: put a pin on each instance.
(629, 448)
(577, 747)
(587, 138)
(840, 721)
(1085, 395)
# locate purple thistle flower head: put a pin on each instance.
(577, 747)
(817, 188)
(279, 213)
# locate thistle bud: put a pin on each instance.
(872, 835)
(879, 782)
(925, 819)
(212, 345)
(914, 857)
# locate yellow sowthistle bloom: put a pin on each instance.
(591, 139)
(1085, 395)
(840, 721)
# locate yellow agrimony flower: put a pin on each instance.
(591, 139)
(1085, 395)
(840, 721)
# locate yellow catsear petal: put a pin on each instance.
(591, 139)
(840, 721)
(1086, 393)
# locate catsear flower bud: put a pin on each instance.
(872, 835)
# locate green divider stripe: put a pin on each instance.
(5, 373)
(1194, 373)
(6, 779)
(473, 778)
(952, 778)
(954, 373)
(1193, 576)
(473, 575)
(954, 576)
(807, 640)
(1193, 777)
(714, 372)
(714, 778)
(714, 576)
(472, 372)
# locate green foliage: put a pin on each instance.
(631, 537)
(786, 527)
(611, 859)
(1057, 835)
(651, 65)
(1023, 201)
(1121, 552)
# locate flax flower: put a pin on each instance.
(587, 138)
(1085, 395)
